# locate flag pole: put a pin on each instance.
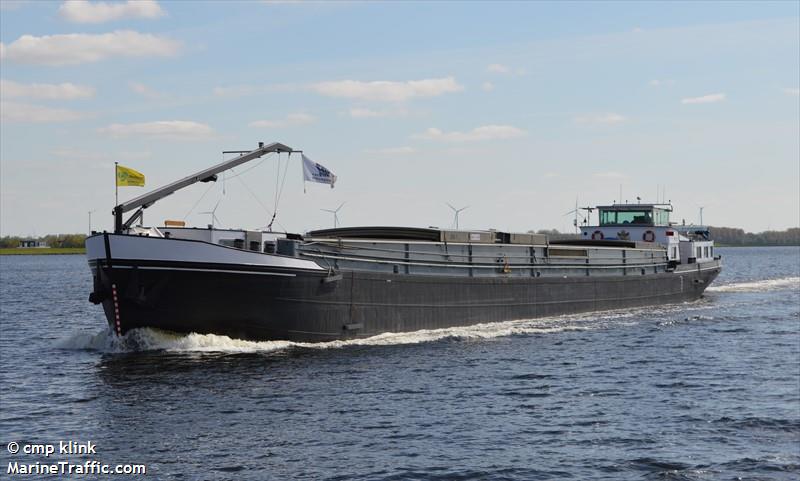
(116, 185)
(303, 172)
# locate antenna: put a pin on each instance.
(335, 213)
(583, 218)
(90, 221)
(574, 211)
(455, 213)
(701, 215)
(589, 211)
(213, 213)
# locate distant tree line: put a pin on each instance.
(738, 237)
(53, 240)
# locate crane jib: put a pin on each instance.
(208, 175)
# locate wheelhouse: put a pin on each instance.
(620, 215)
(650, 223)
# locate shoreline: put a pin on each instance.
(39, 251)
(755, 245)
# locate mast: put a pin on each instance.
(208, 175)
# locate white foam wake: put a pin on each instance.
(147, 339)
(758, 286)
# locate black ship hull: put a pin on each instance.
(268, 303)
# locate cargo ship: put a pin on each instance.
(356, 282)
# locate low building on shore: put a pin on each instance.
(35, 243)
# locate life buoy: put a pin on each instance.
(598, 235)
(649, 236)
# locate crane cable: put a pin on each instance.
(198, 201)
(279, 191)
(279, 185)
(257, 199)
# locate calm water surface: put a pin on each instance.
(706, 390)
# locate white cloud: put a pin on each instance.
(391, 150)
(83, 11)
(498, 68)
(793, 92)
(387, 91)
(63, 91)
(705, 99)
(245, 90)
(486, 132)
(661, 83)
(13, 112)
(78, 48)
(165, 129)
(487, 86)
(291, 120)
(610, 175)
(607, 119)
(83, 154)
(72, 152)
(363, 113)
(638, 30)
(235, 91)
(144, 90)
(366, 113)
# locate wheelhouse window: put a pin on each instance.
(625, 217)
(661, 217)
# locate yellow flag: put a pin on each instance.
(129, 177)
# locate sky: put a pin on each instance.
(518, 110)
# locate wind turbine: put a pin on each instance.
(213, 213)
(335, 213)
(455, 213)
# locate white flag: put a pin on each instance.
(314, 172)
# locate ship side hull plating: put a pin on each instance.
(285, 303)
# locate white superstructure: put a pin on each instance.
(651, 223)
